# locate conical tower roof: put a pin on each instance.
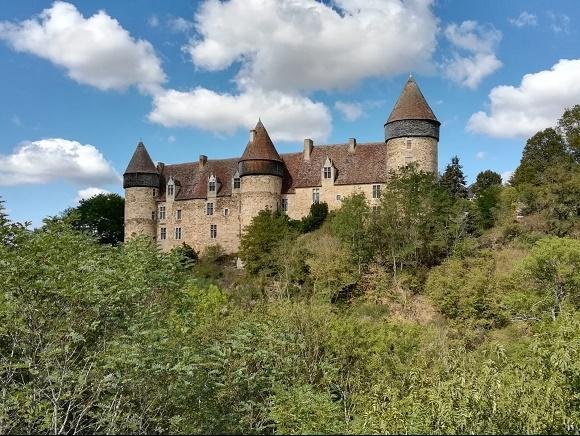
(141, 162)
(411, 105)
(261, 147)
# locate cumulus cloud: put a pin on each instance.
(524, 19)
(481, 155)
(506, 176)
(535, 104)
(349, 111)
(306, 44)
(53, 159)
(559, 23)
(85, 194)
(286, 116)
(477, 43)
(96, 51)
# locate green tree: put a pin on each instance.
(485, 180)
(260, 239)
(453, 179)
(569, 129)
(101, 216)
(315, 218)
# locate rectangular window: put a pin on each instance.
(178, 214)
(338, 198)
(170, 190)
(327, 172)
(153, 215)
(209, 209)
(213, 231)
(316, 195)
(226, 211)
(376, 191)
(285, 204)
(211, 187)
(163, 233)
(161, 212)
(154, 192)
(408, 144)
(178, 233)
(408, 159)
(237, 183)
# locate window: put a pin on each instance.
(213, 231)
(226, 211)
(376, 191)
(178, 233)
(209, 209)
(315, 195)
(408, 159)
(178, 214)
(327, 172)
(153, 215)
(211, 186)
(170, 190)
(285, 204)
(163, 233)
(236, 183)
(408, 144)
(161, 212)
(154, 192)
(338, 198)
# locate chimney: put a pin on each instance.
(160, 166)
(351, 145)
(252, 135)
(308, 146)
(202, 160)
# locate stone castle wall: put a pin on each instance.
(258, 193)
(140, 203)
(423, 151)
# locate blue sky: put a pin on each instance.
(82, 83)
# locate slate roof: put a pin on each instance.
(141, 162)
(366, 165)
(411, 105)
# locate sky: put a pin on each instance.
(82, 82)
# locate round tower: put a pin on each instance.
(412, 131)
(261, 170)
(141, 183)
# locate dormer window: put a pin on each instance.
(211, 186)
(327, 172)
(170, 189)
(236, 183)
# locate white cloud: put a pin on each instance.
(153, 21)
(85, 194)
(286, 116)
(524, 19)
(96, 51)
(479, 43)
(171, 139)
(559, 23)
(16, 120)
(292, 45)
(535, 104)
(481, 155)
(180, 25)
(506, 176)
(349, 111)
(52, 159)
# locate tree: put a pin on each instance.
(544, 149)
(569, 129)
(101, 216)
(315, 218)
(260, 239)
(453, 179)
(485, 180)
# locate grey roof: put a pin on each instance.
(141, 162)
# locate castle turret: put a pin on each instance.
(261, 170)
(412, 131)
(141, 183)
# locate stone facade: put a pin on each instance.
(210, 202)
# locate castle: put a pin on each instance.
(209, 202)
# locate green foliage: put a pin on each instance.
(187, 254)
(485, 180)
(315, 218)
(487, 202)
(261, 238)
(101, 216)
(569, 129)
(453, 179)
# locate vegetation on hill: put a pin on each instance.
(429, 313)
